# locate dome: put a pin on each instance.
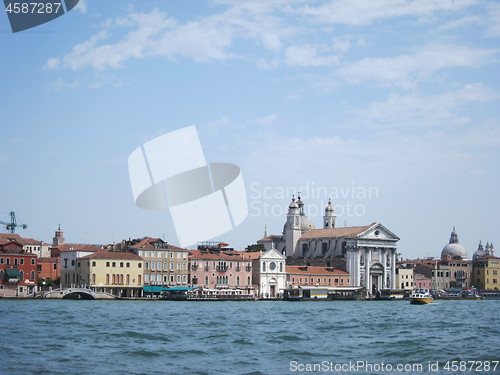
(306, 223)
(293, 204)
(330, 207)
(454, 249)
(479, 252)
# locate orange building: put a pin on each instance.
(316, 276)
(49, 268)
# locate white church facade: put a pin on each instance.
(368, 252)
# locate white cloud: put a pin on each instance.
(308, 55)
(82, 6)
(362, 12)
(267, 120)
(416, 111)
(460, 23)
(493, 23)
(405, 71)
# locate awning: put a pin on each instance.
(12, 273)
(153, 289)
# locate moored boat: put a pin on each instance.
(421, 297)
(464, 294)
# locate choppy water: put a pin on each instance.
(168, 337)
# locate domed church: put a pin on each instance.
(368, 252)
(454, 250)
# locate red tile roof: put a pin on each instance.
(104, 254)
(147, 243)
(272, 237)
(314, 270)
(335, 232)
(224, 255)
(21, 240)
(77, 247)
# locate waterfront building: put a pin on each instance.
(298, 276)
(368, 252)
(455, 269)
(17, 270)
(40, 248)
(422, 282)
(269, 273)
(487, 273)
(222, 271)
(48, 268)
(404, 277)
(68, 255)
(114, 272)
(165, 264)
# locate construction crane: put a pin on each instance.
(11, 227)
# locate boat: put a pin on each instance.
(464, 294)
(394, 294)
(421, 297)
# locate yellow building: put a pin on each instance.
(487, 273)
(114, 272)
(404, 277)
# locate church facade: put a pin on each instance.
(368, 252)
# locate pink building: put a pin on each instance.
(220, 271)
(422, 281)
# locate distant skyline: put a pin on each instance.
(388, 108)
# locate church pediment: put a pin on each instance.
(378, 232)
(272, 254)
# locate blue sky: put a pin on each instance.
(397, 98)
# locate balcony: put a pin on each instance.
(238, 268)
(194, 267)
(248, 268)
(221, 268)
(206, 268)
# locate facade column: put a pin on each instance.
(355, 276)
(393, 269)
(368, 277)
(384, 263)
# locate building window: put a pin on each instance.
(165, 266)
(16, 261)
(93, 278)
(179, 279)
(237, 280)
(206, 280)
(264, 266)
(158, 266)
(107, 279)
(114, 264)
(139, 265)
(171, 266)
(72, 262)
(184, 279)
(324, 248)
(93, 263)
(128, 279)
(128, 264)
(32, 277)
(139, 279)
(121, 264)
(107, 264)
(33, 261)
(1, 260)
(21, 261)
